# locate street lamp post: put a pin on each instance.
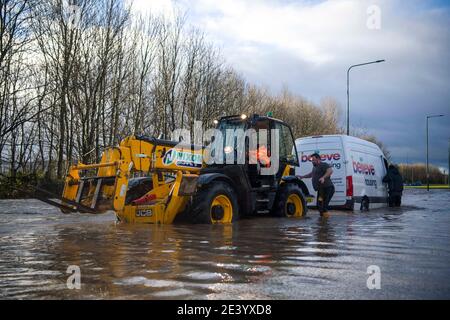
(428, 173)
(348, 89)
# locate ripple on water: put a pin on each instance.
(232, 266)
(205, 276)
(154, 283)
(227, 248)
(173, 293)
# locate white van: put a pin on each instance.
(358, 169)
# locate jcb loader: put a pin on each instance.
(148, 180)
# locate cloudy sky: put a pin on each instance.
(309, 44)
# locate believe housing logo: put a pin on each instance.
(363, 168)
(324, 157)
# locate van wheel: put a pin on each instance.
(215, 204)
(289, 202)
(365, 202)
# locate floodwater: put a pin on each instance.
(259, 258)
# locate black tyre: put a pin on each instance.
(216, 203)
(365, 202)
(137, 188)
(290, 202)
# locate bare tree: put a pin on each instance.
(76, 76)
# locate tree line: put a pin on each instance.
(77, 77)
(417, 173)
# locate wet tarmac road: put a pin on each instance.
(260, 258)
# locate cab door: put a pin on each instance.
(287, 151)
(259, 150)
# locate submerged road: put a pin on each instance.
(259, 258)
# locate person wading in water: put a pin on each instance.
(321, 181)
(395, 184)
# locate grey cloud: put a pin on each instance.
(391, 99)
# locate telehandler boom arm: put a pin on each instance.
(173, 169)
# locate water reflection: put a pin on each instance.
(325, 238)
(261, 258)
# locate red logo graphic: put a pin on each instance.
(324, 157)
(363, 168)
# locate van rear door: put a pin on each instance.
(331, 152)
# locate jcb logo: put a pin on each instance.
(144, 213)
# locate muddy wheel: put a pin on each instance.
(290, 202)
(214, 204)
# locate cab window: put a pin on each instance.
(287, 150)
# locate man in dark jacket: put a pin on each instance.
(395, 185)
(321, 181)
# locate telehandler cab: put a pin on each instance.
(148, 180)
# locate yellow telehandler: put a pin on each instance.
(149, 180)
